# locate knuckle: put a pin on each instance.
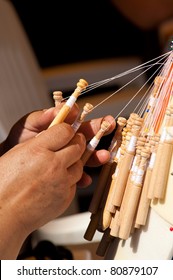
(81, 140)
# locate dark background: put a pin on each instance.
(62, 32)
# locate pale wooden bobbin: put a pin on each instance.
(164, 206)
(129, 211)
(86, 110)
(57, 96)
(162, 165)
(150, 193)
(115, 224)
(116, 220)
(109, 208)
(81, 85)
(144, 203)
(95, 141)
(117, 138)
(162, 160)
(127, 163)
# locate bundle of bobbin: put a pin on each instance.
(140, 156)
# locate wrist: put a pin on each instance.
(12, 236)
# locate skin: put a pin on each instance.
(40, 172)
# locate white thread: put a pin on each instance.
(152, 160)
(147, 65)
(152, 101)
(168, 137)
(134, 164)
(93, 143)
(132, 144)
(163, 135)
(118, 153)
(70, 102)
(76, 125)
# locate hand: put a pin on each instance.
(38, 179)
(32, 124)
(39, 175)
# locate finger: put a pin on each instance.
(85, 181)
(98, 158)
(56, 137)
(73, 151)
(40, 120)
(75, 172)
(90, 128)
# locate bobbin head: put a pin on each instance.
(105, 125)
(88, 107)
(82, 84)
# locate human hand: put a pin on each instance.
(38, 178)
(32, 124)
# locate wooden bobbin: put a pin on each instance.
(167, 118)
(109, 208)
(129, 211)
(104, 243)
(170, 122)
(95, 141)
(153, 97)
(115, 224)
(92, 227)
(110, 205)
(105, 193)
(117, 138)
(162, 165)
(125, 167)
(86, 110)
(169, 130)
(81, 85)
(96, 218)
(88, 107)
(107, 169)
(116, 220)
(100, 187)
(57, 96)
(144, 203)
(154, 141)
